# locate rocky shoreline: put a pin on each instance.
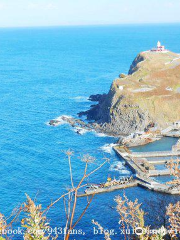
(117, 123)
(80, 125)
(139, 105)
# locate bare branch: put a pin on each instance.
(87, 206)
(69, 153)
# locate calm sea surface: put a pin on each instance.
(48, 72)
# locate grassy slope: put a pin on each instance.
(158, 71)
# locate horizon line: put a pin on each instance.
(90, 25)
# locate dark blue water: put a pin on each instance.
(47, 72)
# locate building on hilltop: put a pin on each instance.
(159, 48)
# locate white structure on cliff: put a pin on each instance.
(159, 48)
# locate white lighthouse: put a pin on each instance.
(160, 48)
(158, 44)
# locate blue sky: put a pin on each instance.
(18, 13)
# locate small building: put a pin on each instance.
(121, 87)
(159, 48)
(169, 89)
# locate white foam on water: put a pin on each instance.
(60, 119)
(125, 172)
(100, 134)
(80, 130)
(108, 148)
(81, 99)
(119, 167)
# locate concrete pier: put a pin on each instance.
(143, 175)
(160, 161)
(175, 134)
(162, 188)
(172, 131)
(154, 154)
(156, 173)
(143, 171)
(134, 183)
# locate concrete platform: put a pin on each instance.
(109, 189)
(154, 154)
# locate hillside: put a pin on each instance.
(148, 95)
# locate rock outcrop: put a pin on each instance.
(147, 96)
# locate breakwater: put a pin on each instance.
(155, 154)
(143, 170)
(144, 173)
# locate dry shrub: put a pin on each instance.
(35, 223)
(173, 212)
(131, 215)
(173, 166)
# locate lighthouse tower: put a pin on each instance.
(159, 48)
(158, 44)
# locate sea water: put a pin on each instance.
(49, 72)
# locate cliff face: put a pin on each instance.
(135, 64)
(148, 95)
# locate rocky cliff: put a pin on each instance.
(149, 95)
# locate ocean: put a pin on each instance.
(49, 72)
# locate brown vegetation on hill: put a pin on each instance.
(149, 93)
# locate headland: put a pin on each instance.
(141, 107)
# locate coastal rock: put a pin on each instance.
(97, 97)
(140, 100)
(135, 64)
(122, 75)
(54, 122)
